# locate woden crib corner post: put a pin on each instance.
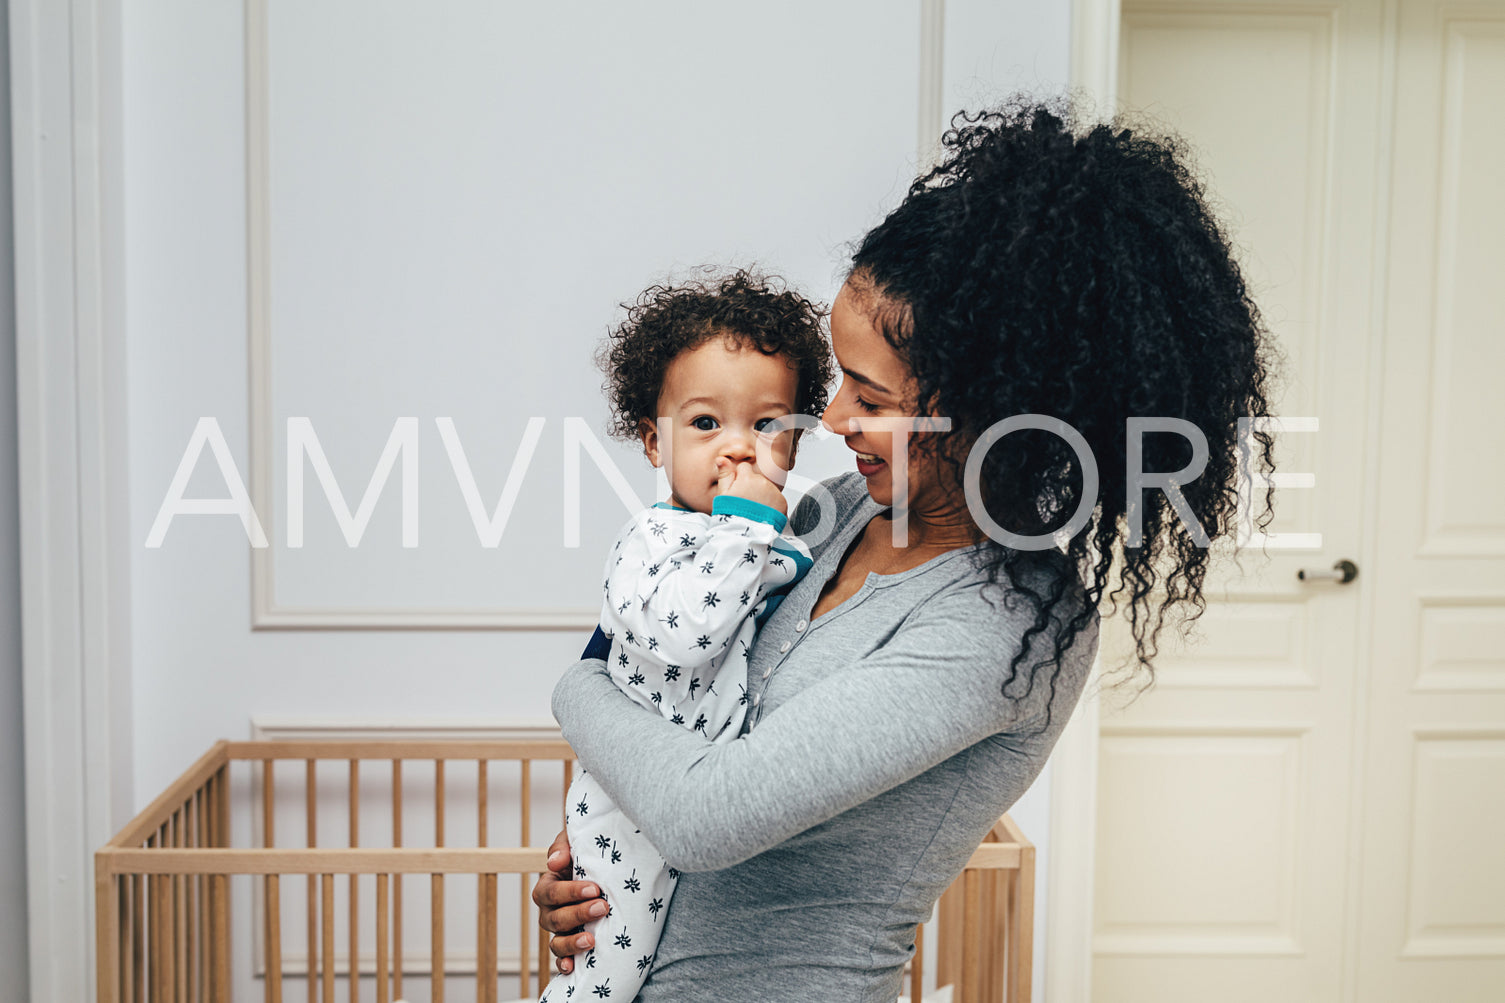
(106, 930)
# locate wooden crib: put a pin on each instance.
(185, 913)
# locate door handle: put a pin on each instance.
(1341, 573)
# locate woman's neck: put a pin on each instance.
(935, 529)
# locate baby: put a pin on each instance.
(698, 373)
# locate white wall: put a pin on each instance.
(13, 956)
(457, 200)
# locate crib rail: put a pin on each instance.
(162, 884)
(163, 903)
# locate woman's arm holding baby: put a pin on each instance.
(932, 691)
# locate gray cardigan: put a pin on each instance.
(878, 752)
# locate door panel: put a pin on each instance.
(1432, 893)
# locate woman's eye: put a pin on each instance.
(865, 405)
(705, 423)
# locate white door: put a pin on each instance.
(1242, 854)
(1431, 892)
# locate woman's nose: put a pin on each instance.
(834, 419)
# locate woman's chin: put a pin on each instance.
(879, 488)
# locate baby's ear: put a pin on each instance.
(648, 431)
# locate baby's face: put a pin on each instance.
(716, 401)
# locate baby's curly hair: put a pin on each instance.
(747, 306)
(1077, 272)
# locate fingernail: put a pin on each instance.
(565, 964)
(598, 909)
(556, 856)
(590, 891)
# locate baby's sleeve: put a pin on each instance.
(679, 585)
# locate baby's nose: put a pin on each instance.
(739, 448)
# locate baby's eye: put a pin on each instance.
(761, 425)
(705, 423)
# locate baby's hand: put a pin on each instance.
(745, 480)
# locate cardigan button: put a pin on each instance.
(784, 648)
(800, 627)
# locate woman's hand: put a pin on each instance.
(565, 906)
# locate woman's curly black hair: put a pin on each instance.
(1075, 273)
(749, 307)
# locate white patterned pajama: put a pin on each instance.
(684, 594)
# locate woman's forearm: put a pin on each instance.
(827, 749)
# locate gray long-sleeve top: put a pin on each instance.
(881, 746)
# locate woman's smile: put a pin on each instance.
(868, 464)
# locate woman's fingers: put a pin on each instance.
(559, 854)
(553, 894)
(566, 946)
(564, 907)
(569, 918)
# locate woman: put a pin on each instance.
(904, 696)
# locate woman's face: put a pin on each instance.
(877, 383)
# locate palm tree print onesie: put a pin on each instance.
(684, 593)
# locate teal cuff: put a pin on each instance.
(756, 511)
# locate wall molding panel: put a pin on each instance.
(268, 612)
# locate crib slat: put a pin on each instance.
(1021, 927)
(436, 894)
(383, 986)
(397, 880)
(971, 931)
(527, 805)
(274, 939)
(311, 826)
(486, 939)
(138, 942)
(268, 781)
(525, 787)
(194, 883)
(169, 924)
(436, 945)
(154, 935)
(126, 936)
(326, 963)
(219, 980)
(355, 927)
(481, 803)
(201, 907)
(180, 915)
(222, 802)
(438, 802)
(543, 936)
(990, 931)
(268, 834)
(543, 958)
(143, 943)
(173, 920)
